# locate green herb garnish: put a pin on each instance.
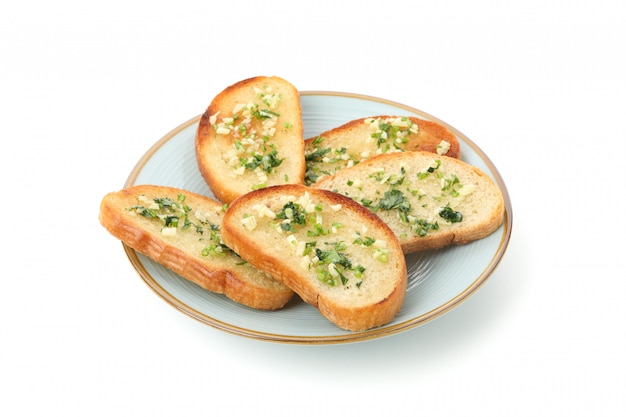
(450, 215)
(395, 200)
(266, 162)
(294, 213)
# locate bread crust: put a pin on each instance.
(267, 250)
(182, 253)
(270, 119)
(421, 196)
(357, 141)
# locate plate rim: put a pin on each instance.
(347, 337)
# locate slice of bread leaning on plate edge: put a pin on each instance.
(329, 218)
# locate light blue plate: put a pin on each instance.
(437, 280)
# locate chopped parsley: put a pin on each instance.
(216, 246)
(424, 174)
(266, 162)
(294, 213)
(318, 230)
(169, 211)
(334, 265)
(392, 132)
(333, 256)
(317, 155)
(421, 227)
(395, 200)
(175, 214)
(366, 241)
(313, 172)
(262, 114)
(450, 215)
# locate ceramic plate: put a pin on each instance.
(437, 280)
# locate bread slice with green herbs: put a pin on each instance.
(250, 137)
(334, 253)
(358, 140)
(428, 200)
(182, 231)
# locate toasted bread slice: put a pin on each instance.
(360, 139)
(428, 200)
(330, 250)
(181, 230)
(250, 137)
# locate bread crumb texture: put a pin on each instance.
(420, 195)
(333, 247)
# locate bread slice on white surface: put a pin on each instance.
(181, 230)
(250, 137)
(361, 139)
(428, 200)
(334, 253)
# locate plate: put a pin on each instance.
(437, 280)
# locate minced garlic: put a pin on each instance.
(249, 222)
(443, 147)
(168, 231)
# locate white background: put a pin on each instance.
(87, 87)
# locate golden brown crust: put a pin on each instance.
(266, 250)
(219, 154)
(242, 284)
